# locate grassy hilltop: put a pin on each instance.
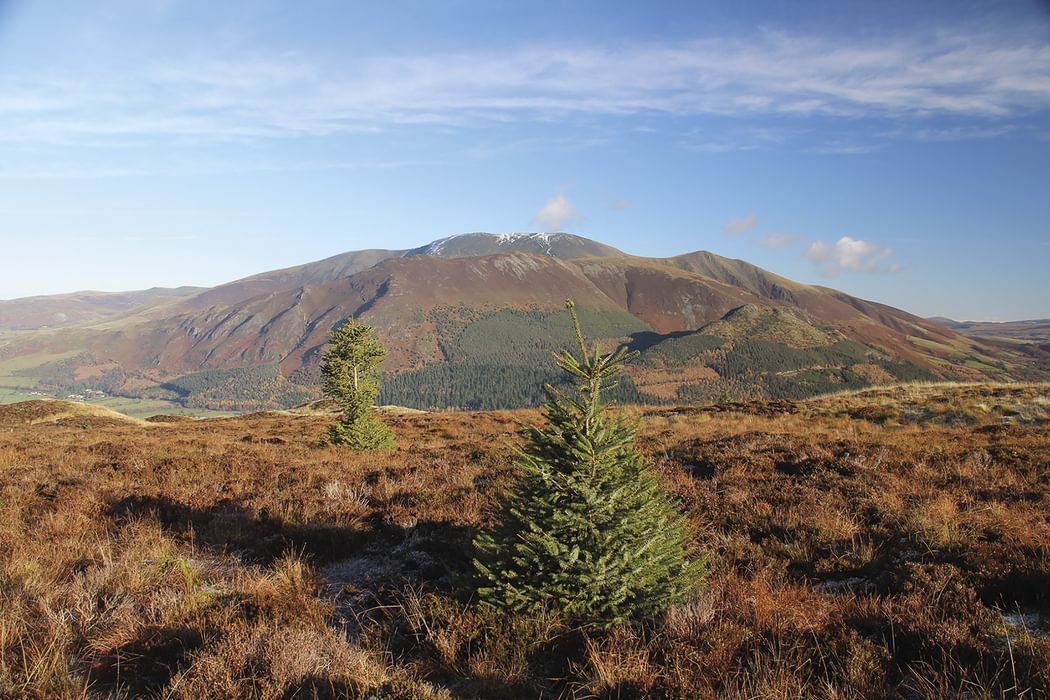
(886, 543)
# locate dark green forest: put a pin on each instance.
(503, 359)
(60, 376)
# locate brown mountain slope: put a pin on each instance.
(409, 297)
(396, 294)
(288, 325)
(332, 268)
(558, 245)
(865, 321)
(117, 308)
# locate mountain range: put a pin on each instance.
(1030, 330)
(470, 321)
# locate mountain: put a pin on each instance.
(470, 321)
(559, 245)
(63, 310)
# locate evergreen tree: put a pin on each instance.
(586, 530)
(350, 370)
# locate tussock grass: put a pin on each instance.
(853, 558)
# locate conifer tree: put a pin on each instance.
(587, 530)
(350, 370)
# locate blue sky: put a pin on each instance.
(899, 151)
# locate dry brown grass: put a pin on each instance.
(854, 557)
(53, 411)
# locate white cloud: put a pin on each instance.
(736, 227)
(557, 212)
(777, 241)
(75, 171)
(850, 254)
(960, 74)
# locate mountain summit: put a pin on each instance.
(558, 245)
(470, 321)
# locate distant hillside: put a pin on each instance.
(63, 310)
(1034, 330)
(471, 320)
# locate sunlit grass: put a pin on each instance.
(853, 556)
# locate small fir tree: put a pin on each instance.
(350, 370)
(586, 530)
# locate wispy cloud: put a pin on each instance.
(852, 255)
(729, 138)
(70, 170)
(557, 212)
(958, 74)
(853, 146)
(778, 241)
(736, 227)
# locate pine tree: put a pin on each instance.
(587, 530)
(350, 370)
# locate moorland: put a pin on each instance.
(891, 542)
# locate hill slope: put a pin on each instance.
(62, 310)
(470, 320)
(888, 544)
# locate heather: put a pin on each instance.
(893, 543)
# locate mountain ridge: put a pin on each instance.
(83, 306)
(421, 300)
(1036, 329)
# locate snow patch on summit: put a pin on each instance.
(437, 246)
(502, 239)
(543, 238)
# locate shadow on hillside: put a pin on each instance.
(260, 537)
(642, 341)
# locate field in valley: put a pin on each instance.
(16, 386)
(887, 543)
